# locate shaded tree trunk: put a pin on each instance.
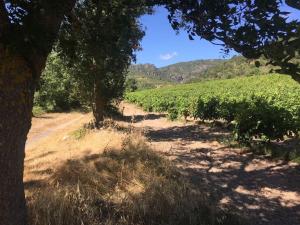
(16, 101)
(99, 105)
(19, 70)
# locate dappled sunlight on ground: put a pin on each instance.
(265, 191)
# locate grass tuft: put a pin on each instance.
(80, 133)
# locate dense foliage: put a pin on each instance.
(131, 85)
(260, 106)
(99, 41)
(58, 89)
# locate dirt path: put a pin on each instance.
(265, 191)
(49, 124)
(52, 142)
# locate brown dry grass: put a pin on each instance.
(132, 185)
(110, 177)
(49, 153)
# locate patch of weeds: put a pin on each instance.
(38, 111)
(80, 133)
(284, 154)
(296, 160)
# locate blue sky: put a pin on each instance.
(162, 46)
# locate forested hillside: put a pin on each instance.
(149, 76)
(183, 72)
(234, 67)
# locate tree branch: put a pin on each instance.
(4, 20)
(42, 25)
(293, 3)
(48, 22)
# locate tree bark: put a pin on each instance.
(99, 105)
(16, 101)
(21, 65)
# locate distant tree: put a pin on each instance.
(100, 38)
(28, 29)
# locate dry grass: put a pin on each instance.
(52, 152)
(126, 185)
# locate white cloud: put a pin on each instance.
(168, 56)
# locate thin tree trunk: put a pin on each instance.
(16, 100)
(99, 105)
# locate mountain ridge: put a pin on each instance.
(149, 76)
(175, 73)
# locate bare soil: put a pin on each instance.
(50, 123)
(261, 189)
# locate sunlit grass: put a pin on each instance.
(131, 185)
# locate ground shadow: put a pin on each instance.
(265, 191)
(162, 198)
(34, 184)
(43, 155)
(139, 118)
(188, 133)
(43, 117)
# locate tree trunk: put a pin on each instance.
(99, 105)
(19, 70)
(16, 101)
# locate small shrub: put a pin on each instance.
(37, 111)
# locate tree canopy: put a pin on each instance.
(99, 40)
(249, 27)
(252, 28)
(58, 90)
